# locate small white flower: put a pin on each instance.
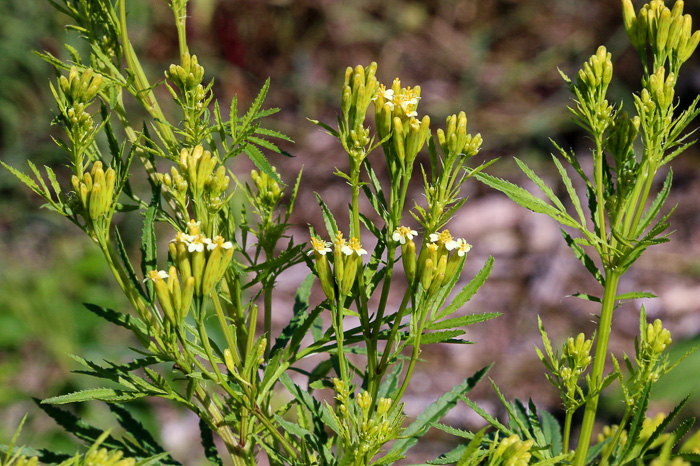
(320, 246)
(154, 275)
(353, 246)
(433, 237)
(402, 234)
(196, 244)
(463, 247)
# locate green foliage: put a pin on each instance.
(197, 318)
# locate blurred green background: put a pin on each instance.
(496, 60)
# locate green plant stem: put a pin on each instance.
(600, 208)
(612, 278)
(225, 328)
(180, 12)
(420, 325)
(395, 329)
(145, 93)
(339, 337)
(267, 298)
(375, 377)
(567, 430)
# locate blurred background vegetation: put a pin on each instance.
(496, 60)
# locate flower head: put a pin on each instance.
(320, 246)
(401, 234)
(353, 246)
(444, 239)
(463, 247)
(217, 242)
(156, 275)
(196, 243)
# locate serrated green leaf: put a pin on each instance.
(434, 412)
(100, 394)
(462, 321)
(541, 184)
(328, 218)
(468, 291)
(206, 437)
(584, 258)
(552, 432)
(440, 337)
(523, 198)
(149, 254)
(130, 272)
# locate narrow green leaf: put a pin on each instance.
(637, 421)
(123, 320)
(541, 184)
(130, 272)
(462, 321)
(328, 129)
(470, 290)
(435, 412)
(465, 434)
(147, 443)
(583, 257)
(661, 428)
(76, 426)
(148, 242)
(207, 439)
(635, 295)
(328, 218)
(523, 198)
(101, 394)
(261, 162)
(301, 306)
(655, 207)
(441, 337)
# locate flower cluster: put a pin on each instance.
(205, 259)
(396, 115)
(346, 258)
(364, 429)
(95, 190)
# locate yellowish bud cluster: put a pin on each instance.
(408, 139)
(661, 88)
(175, 298)
(455, 140)
(95, 190)
(80, 87)
(197, 167)
(623, 132)
(596, 73)
(269, 191)
(668, 31)
(609, 432)
(24, 461)
(188, 75)
(655, 339)
(359, 88)
(577, 352)
(513, 451)
(103, 457)
(205, 259)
